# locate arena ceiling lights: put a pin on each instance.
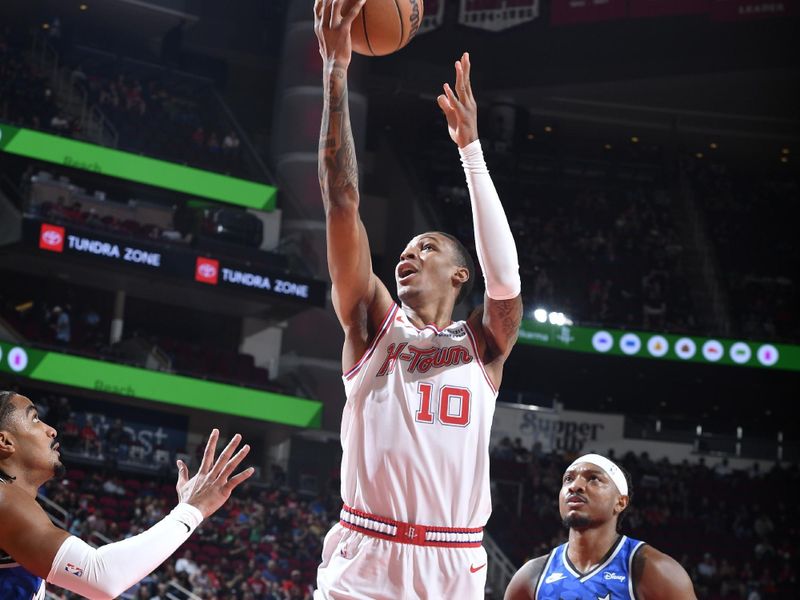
(167, 388)
(133, 167)
(659, 346)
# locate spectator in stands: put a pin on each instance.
(230, 144)
(89, 438)
(70, 433)
(187, 565)
(113, 486)
(117, 440)
(61, 324)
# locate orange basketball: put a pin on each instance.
(385, 26)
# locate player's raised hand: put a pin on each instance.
(459, 106)
(212, 484)
(332, 21)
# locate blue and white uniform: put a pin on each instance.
(612, 579)
(16, 583)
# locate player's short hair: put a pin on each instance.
(6, 408)
(621, 516)
(463, 259)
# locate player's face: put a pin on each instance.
(427, 264)
(588, 497)
(34, 441)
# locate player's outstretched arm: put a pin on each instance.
(502, 311)
(28, 536)
(359, 297)
(661, 577)
(523, 585)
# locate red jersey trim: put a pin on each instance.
(387, 322)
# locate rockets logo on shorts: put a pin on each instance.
(74, 570)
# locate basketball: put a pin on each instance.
(385, 26)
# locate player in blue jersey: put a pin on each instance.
(598, 563)
(33, 550)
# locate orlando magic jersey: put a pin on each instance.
(610, 580)
(15, 582)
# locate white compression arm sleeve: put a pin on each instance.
(497, 252)
(104, 573)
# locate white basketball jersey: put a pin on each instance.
(415, 428)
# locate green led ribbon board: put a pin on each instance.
(178, 390)
(133, 167)
(662, 346)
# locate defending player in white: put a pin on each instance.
(420, 388)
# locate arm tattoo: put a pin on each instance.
(338, 169)
(509, 314)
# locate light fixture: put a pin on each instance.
(784, 151)
(531, 136)
(45, 25)
(784, 159)
(713, 145)
(634, 139)
(84, 7)
(607, 146)
(699, 154)
(540, 315)
(548, 129)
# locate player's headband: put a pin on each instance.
(613, 471)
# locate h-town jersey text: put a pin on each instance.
(416, 425)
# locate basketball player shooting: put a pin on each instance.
(420, 388)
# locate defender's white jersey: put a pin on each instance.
(415, 428)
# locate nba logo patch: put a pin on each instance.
(74, 570)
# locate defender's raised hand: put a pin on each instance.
(212, 484)
(459, 106)
(332, 21)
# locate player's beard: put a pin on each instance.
(59, 470)
(576, 522)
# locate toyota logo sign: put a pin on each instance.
(206, 270)
(51, 238)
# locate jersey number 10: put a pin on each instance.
(454, 405)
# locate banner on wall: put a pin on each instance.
(746, 10)
(433, 16)
(173, 261)
(664, 8)
(568, 12)
(556, 431)
(497, 15)
(661, 346)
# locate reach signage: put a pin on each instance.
(134, 167)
